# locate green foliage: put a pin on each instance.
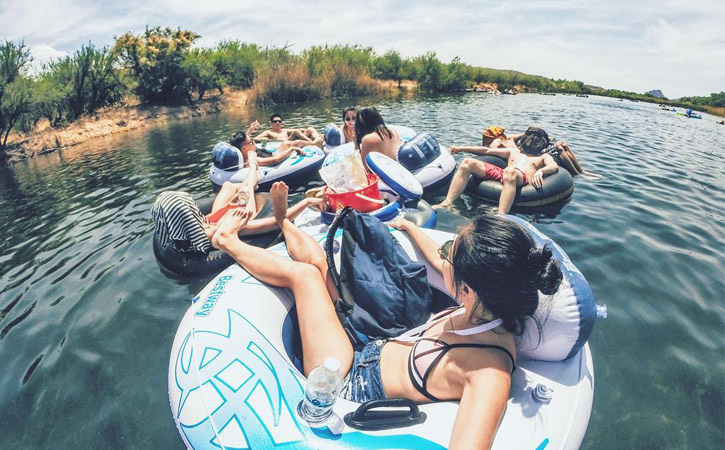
(202, 74)
(79, 84)
(237, 62)
(155, 60)
(16, 92)
(429, 72)
(160, 66)
(390, 66)
(715, 100)
(456, 75)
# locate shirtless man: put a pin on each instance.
(244, 143)
(494, 137)
(300, 138)
(522, 169)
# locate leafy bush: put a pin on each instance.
(16, 90)
(390, 66)
(202, 73)
(237, 62)
(79, 84)
(155, 60)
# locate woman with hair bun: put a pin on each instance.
(467, 354)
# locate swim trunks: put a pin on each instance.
(496, 173)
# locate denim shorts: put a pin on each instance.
(364, 382)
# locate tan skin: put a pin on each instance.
(464, 374)
(348, 126)
(309, 136)
(233, 194)
(282, 153)
(568, 160)
(388, 146)
(535, 167)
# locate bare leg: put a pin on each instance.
(567, 163)
(512, 179)
(229, 192)
(300, 246)
(298, 135)
(315, 310)
(270, 223)
(468, 167)
(312, 133)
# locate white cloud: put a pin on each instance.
(668, 45)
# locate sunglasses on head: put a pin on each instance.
(349, 119)
(276, 121)
(445, 250)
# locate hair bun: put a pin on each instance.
(544, 271)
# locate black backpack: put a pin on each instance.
(383, 292)
(534, 141)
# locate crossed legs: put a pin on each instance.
(321, 332)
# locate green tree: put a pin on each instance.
(203, 74)
(155, 61)
(16, 95)
(86, 80)
(456, 75)
(390, 66)
(430, 76)
(237, 62)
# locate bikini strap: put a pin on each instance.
(416, 333)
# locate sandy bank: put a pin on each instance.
(118, 120)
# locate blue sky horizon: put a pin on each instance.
(668, 45)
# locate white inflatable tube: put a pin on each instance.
(233, 384)
(293, 169)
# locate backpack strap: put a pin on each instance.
(343, 306)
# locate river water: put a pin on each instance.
(87, 319)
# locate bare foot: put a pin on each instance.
(278, 194)
(229, 227)
(590, 175)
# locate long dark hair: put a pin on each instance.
(499, 260)
(368, 120)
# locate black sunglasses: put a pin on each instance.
(276, 121)
(445, 250)
(349, 119)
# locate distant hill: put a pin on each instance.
(656, 93)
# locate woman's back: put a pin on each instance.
(435, 365)
(387, 145)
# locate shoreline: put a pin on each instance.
(132, 117)
(118, 120)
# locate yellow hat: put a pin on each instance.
(494, 132)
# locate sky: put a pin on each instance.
(636, 45)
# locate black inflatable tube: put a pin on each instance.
(556, 187)
(183, 264)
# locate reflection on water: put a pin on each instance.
(87, 318)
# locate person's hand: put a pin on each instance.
(538, 180)
(453, 149)
(299, 151)
(317, 203)
(401, 223)
(254, 126)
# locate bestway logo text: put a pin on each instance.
(211, 300)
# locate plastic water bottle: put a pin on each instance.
(323, 386)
